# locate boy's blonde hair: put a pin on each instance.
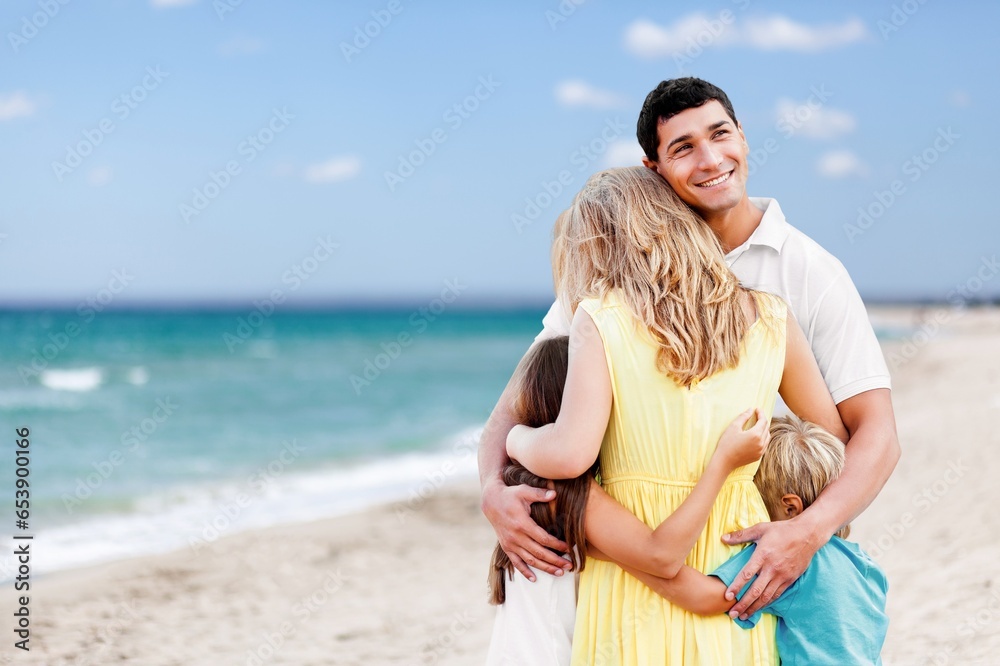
(802, 459)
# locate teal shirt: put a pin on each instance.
(833, 614)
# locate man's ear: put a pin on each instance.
(746, 146)
(649, 164)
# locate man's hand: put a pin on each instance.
(508, 510)
(784, 550)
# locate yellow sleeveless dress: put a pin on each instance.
(659, 440)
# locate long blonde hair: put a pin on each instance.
(628, 231)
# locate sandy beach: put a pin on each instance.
(405, 584)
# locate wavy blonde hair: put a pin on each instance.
(628, 231)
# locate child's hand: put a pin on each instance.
(738, 447)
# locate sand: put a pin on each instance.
(406, 584)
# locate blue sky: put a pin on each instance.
(220, 151)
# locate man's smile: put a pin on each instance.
(718, 180)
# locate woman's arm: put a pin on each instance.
(690, 589)
(802, 386)
(567, 448)
(614, 530)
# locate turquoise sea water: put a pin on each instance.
(155, 430)
(152, 431)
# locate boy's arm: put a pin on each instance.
(614, 530)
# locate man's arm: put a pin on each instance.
(785, 548)
(508, 508)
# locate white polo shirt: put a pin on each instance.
(780, 259)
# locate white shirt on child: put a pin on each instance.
(780, 259)
(534, 626)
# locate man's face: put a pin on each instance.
(703, 156)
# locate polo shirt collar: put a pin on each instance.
(773, 228)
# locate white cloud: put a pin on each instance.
(810, 118)
(333, 170)
(841, 164)
(693, 33)
(780, 33)
(100, 176)
(238, 46)
(15, 105)
(623, 153)
(171, 3)
(649, 40)
(581, 93)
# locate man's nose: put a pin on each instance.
(709, 158)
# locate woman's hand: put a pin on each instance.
(737, 446)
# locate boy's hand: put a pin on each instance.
(738, 447)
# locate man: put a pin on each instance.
(689, 132)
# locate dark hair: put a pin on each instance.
(667, 100)
(541, 378)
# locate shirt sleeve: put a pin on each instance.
(727, 573)
(844, 342)
(554, 323)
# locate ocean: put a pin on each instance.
(154, 431)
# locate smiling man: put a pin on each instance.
(691, 137)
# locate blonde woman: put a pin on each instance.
(666, 348)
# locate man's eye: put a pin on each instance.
(681, 148)
(721, 132)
